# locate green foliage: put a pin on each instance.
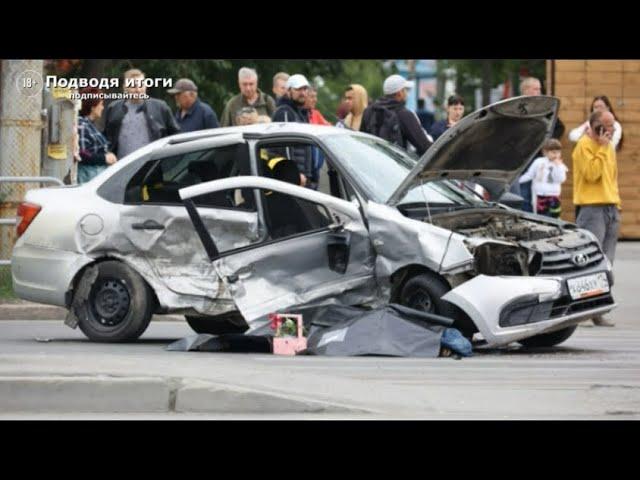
(470, 74)
(6, 284)
(289, 328)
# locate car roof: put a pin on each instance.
(256, 130)
(261, 129)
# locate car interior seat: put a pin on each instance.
(284, 215)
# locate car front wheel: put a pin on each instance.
(424, 293)
(119, 305)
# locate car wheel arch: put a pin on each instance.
(404, 274)
(106, 258)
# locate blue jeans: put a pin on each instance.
(525, 192)
(87, 172)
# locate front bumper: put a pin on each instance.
(506, 309)
(44, 275)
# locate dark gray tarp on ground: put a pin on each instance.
(390, 331)
(334, 330)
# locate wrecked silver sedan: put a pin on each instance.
(197, 224)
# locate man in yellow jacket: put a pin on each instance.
(595, 186)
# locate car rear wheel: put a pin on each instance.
(119, 305)
(424, 293)
(231, 322)
(548, 339)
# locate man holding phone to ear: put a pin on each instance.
(595, 186)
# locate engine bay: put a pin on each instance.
(497, 224)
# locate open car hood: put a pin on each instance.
(490, 147)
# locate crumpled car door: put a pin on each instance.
(330, 265)
(164, 238)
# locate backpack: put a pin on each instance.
(384, 123)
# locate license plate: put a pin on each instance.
(588, 286)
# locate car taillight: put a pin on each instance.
(26, 213)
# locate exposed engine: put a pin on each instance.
(496, 224)
(515, 253)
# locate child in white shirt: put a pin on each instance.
(547, 175)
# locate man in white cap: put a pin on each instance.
(388, 118)
(290, 108)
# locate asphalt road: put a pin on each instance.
(593, 375)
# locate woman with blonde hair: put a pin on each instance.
(356, 96)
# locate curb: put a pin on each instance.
(83, 395)
(36, 311)
(31, 311)
(105, 394)
(204, 397)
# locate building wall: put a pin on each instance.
(576, 82)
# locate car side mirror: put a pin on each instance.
(338, 249)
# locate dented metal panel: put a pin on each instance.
(400, 241)
(175, 252)
(295, 271)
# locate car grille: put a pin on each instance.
(562, 262)
(530, 311)
(566, 306)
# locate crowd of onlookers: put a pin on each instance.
(134, 122)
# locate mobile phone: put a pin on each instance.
(600, 129)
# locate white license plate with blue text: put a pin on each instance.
(588, 286)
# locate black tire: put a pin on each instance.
(424, 293)
(217, 325)
(119, 306)
(548, 339)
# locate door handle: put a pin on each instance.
(148, 225)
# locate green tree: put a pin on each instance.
(490, 73)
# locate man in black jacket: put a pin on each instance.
(388, 117)
(290, 108)
(134, 122)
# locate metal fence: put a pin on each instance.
(21, 124)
